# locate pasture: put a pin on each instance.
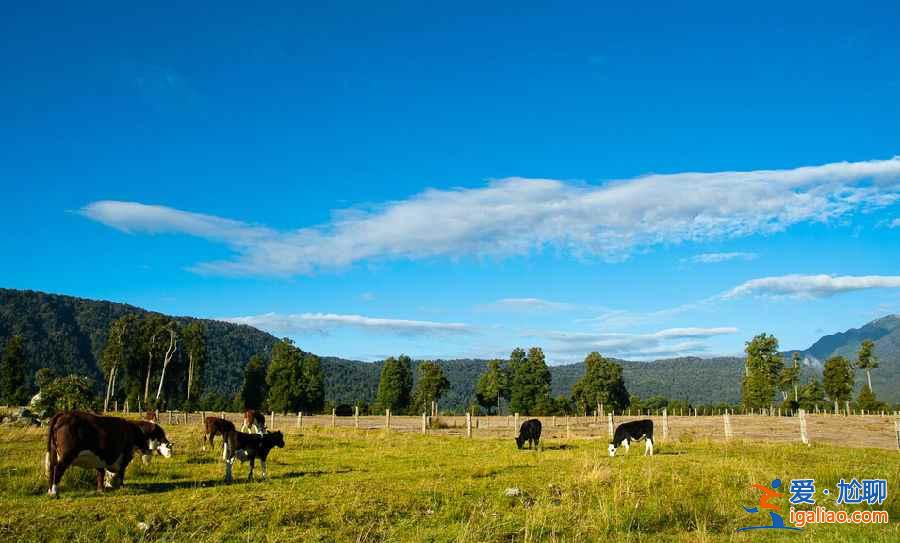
(344, 484)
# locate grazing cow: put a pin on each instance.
(254, 421)
(216, 426)
(529, 432)
(156, 438)
(249, 447)
(94, 442)
(633, 431)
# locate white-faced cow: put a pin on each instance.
(255, 421)
(633, 431)
(94, 442)
(156, 439)
(243, 447)
(529, 432)
(215, 426)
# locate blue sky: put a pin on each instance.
(645, 181)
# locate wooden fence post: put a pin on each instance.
(728, 433)
(804, 438)
(272, 424)
(424, 423)
(333, 417)
(468, 424)
(665, 417)
(387, 420)
(847, 406)
(897, 431)
(356, 417)
(516, 424)
(568, 430)
(299, 419)
(609, 423)
(553, 422)
(170, 416)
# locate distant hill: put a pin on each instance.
(67, 334)
(885, 332)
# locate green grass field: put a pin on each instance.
(343, 485)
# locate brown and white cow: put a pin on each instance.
(254, 421)
(156, 438)
(94, 442)
(249, 447)
(215, 426)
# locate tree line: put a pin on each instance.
(766, 376)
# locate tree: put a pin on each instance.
(395, 385)
(811, 395)
(285, 378)
(253, 391)
(430, 386)
(44, 377)
(790, 378)
(602, 383)
(866, 359)
(838, 378)
(492, 385)
(529, 390)
(314, 383)
(13, 390)
(763, 367)
(195, 347)
(68, 393)
(867, 400)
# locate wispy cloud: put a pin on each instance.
(811, 286)
(518, 216)
(527, 304)
(894, 223)
(667, 342)
(715, 258)
(367, 297)
(322, 323)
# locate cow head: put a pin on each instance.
(612, 450)
(520, 441)
(157, 442)
(274, 439)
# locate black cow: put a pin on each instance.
(249, 447)
(633, 431)
(94, 442)
(529, 432)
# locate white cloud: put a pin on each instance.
(811, 286)
(527, 304)
(324, 322)
(668, 342)
(715, 258)
(519, 216)
(894, 223)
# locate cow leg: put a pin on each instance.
(101, 479)
(57, 469)
(648, 448)
(627, 446)
(252, 461)
(228, 467)
(262, 462)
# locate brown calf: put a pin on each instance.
(216, 426)
(254, 421)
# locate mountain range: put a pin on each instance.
(67, 334)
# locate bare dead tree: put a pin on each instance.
(170, 352)
(149, 367)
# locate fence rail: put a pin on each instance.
(869, 430)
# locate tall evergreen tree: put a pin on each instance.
(529, 390)
(314, 383)
(13, 390)
(763, 367)
(602, 383)
(493, 385)
(253, 390)
(284, 378)
(838, 378)
(866, 359)
(395, 385)
(430, 386)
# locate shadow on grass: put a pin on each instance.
(558, 447)
(311, 473)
